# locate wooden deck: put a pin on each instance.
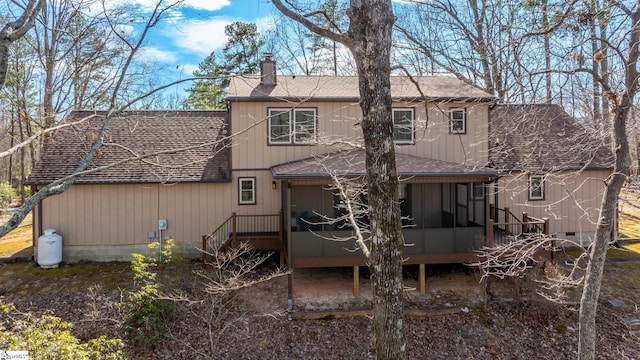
(260, 232)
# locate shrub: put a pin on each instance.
(48, 337)
(145, 309)
(7, 193)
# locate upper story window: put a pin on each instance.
(457, 121)
(403, 132)
(292, 126)
(536, 187)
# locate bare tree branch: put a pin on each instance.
(13, 31)
(344, 39)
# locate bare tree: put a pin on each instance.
(622, 99)
(369, 39)
(80, 56)
(114, 108)
(14, 30)
(19, 95)
(302, 51)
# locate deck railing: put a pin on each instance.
(501, 232)
(237, 226)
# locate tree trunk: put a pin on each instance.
(547, 53)
(12, 134)
(371, 26)
(593, 276)
(369, 39)
(21, 118)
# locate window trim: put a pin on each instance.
(464, 121)
(530, 188)
(251, 180)
(291, 138)
(412, 129)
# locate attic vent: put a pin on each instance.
(268, 70)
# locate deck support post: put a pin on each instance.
(422, 286)
(356, 281)
(490, 239)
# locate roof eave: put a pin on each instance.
(356, 99)
(489, 174)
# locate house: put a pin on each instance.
(262, 172)
(551, 166)
(108, 214)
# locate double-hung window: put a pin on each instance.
(247, 191)
(536, 187)
(292, 126)
(457, 121)
(403, 132)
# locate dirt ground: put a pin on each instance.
(451, 321)
(455, 319)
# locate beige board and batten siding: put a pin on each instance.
(109, 221)
(267, 198)
(340, 121)
(571, 201)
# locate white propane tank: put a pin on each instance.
(49, 249)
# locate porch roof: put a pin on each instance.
(352, 164)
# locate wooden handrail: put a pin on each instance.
(227, 233)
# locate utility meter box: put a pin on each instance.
(162, 224)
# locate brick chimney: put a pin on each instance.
(268, 70)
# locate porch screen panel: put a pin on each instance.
(447, 206)
(462, 205)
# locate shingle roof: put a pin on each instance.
(352, 164)
(345, 88)
(542, 137)
(188, 139)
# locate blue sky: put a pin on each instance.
(196, 28)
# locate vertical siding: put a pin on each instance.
(572, 200)
(124, 214)
(339, 121)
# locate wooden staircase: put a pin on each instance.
(260, 232)
(503, 226)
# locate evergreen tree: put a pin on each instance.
(207, 93)
(240, 55)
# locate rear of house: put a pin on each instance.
(298, 131)
(551, 166)
(182, 175)
(263, 171)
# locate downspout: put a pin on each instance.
(290, 269)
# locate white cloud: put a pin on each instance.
(154, 54)
(188, 69)
(200, 37)
(265, 24)
(209, 5)
(149, 5)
